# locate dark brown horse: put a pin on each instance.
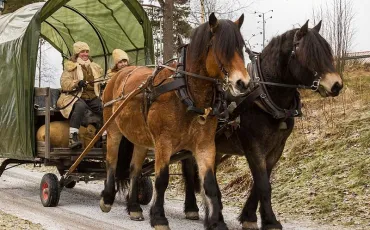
(215, 51)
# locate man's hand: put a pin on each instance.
(82, 84)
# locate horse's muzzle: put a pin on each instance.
(336, 89)
(242, 86)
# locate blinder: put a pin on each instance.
(226, 82)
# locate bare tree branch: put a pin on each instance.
(337, 28)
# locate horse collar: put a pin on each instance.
(180, 86)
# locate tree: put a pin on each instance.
(13, 5)
(171, 18)
(46, 73)
(337, 28)
(167, 7)
(201, 9)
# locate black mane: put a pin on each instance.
(314, 53)
(317, 53)
(228, 40)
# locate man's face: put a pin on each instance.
(122, 64)
(84, 55)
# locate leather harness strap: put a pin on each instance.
(180, 86)
(262, 98)
(167, 87)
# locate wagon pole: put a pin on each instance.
(97, 136)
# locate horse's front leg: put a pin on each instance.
(248, 217)
(133, 206)
(190, 174)
(261, 191)
(163, 151)
(205, 156)
(109, 192)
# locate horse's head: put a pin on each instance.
(312, 61)
(216, 47)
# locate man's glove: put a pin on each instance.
(82, 83)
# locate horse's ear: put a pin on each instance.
(240, 21)
(318, 26)
(213, 22)
(302, 31)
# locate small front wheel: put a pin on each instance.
(49, 190)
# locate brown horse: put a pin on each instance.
(216, 52)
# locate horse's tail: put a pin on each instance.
(125, 152)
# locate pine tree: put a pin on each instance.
(168, 21)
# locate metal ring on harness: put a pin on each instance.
(316, 84)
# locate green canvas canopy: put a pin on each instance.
(104, 24)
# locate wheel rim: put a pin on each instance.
(45, 191)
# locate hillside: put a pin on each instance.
(324, 173)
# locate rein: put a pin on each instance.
(191, 74)
(312, 87)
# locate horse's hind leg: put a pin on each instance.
(133, 206)
(205, 157)
(190, 174)
(163, 151)
(109, 192)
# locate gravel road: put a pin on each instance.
(79, 208)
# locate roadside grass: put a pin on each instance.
(324, 173)
(8, 221)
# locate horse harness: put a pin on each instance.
(260, 95)
(179, 84)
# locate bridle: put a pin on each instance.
(316, 83)
(226, 82)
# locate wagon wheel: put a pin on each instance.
(71, 184)
(49, 190)
(145, 190)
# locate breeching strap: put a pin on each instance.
(137, 91)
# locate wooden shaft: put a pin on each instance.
(47, 123)
(97, 136)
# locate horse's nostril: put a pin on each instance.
(336, 88)
(241, 85)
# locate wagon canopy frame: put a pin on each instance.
(104, 24)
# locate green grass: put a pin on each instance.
(324, 173)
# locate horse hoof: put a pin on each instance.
(105, 207)
(192, 215)
(136, 216)
(250, 225)
(272, 227)
(162, 227)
